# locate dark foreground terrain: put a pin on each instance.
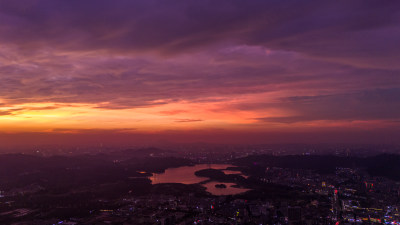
(116, 189)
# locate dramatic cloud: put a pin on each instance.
(159, 65)
(339, 30)
(367, 105)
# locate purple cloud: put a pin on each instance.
(328, 61)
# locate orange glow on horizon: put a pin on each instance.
(45, 117)
(64, 118)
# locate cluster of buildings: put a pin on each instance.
(353, 196)
(349, 196)
(189, 209)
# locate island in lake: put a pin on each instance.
(220, 186)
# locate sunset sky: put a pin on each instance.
(186, 70)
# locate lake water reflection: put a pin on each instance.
(229, 190)
(185, 175)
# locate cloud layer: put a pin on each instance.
(259, 63)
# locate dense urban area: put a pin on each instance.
(252, 185)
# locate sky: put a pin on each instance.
(227, 71)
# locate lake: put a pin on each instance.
(185, 175)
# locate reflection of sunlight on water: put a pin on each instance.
(185, 175)
(229, 190)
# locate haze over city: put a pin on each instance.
(199, 71)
